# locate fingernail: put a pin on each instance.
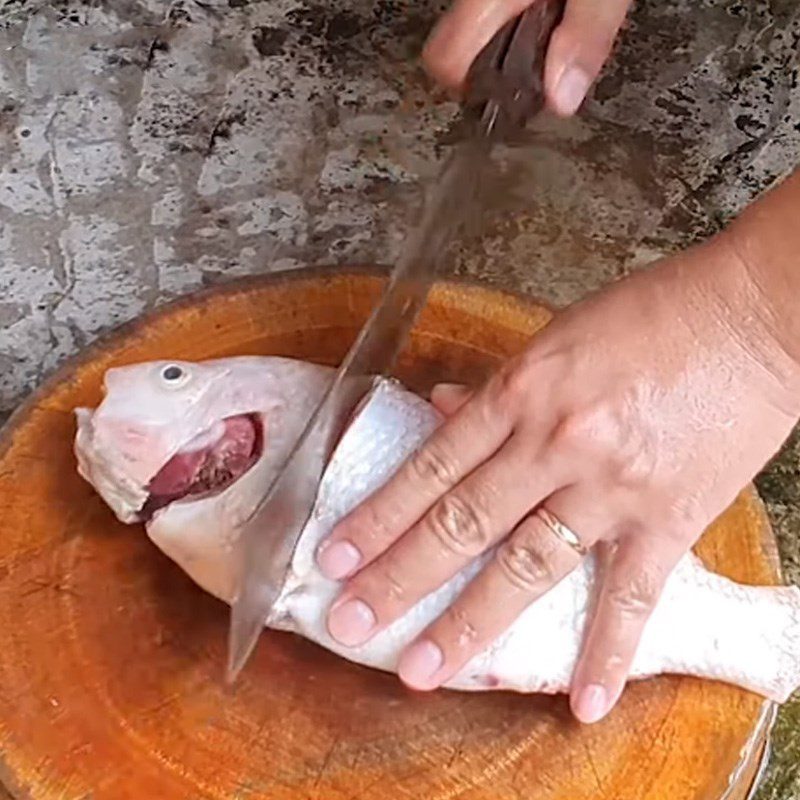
(571, 90)
(337, 560)
(449, 387)
(591, 704)
(419, 664)
(351, 623)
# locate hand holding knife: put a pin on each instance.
(504, 91)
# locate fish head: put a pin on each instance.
(161, 427)
(177, 432)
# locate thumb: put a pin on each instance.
(578, 49)
(448, 398)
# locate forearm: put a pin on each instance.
(766, 237)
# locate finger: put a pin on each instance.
(462, 33)
(578, 49)
(631, 587)
(455, 449)
(525, 567)
(448, 398)
(459, 528)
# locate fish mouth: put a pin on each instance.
(207, 465)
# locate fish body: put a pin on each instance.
(154, 448)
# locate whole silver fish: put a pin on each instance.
(185, 447)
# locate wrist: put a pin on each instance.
(727, 310)
(765, 243)
(756, 315)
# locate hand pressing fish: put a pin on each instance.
(185, 448)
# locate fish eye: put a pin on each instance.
(174, 375)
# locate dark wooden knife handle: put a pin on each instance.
(510, 69)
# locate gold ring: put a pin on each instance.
(568, 536)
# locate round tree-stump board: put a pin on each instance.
(111, 660)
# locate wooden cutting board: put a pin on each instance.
(111, 659)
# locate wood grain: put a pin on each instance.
(111, 660)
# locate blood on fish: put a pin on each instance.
(210, 469)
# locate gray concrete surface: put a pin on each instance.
(148, 148)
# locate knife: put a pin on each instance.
(503, 91)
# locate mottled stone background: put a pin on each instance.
(148, 148)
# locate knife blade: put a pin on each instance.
(494, 106)
(289, 500)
